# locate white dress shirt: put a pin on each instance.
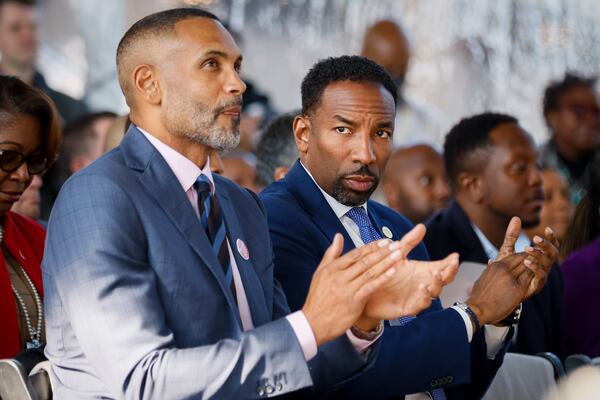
(494, 335)
(186, 173)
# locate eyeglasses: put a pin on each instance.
(11, 160)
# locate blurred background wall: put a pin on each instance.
(468, 55)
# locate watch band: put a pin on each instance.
(367, 335)
(470, 313)
(513, 318)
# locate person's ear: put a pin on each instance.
(146, 84)
(302, 131)
(552, 120)
(472, 185)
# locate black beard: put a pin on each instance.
(348, 197)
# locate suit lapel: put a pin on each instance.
(461, 229)
(310, 197)
(383, 226)
(162, 184)
(252, 286)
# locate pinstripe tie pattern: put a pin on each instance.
(214, 226)
(368, 234)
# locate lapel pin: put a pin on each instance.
(387, 232)
(242, 249)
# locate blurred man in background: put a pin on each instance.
(83, 143)
(19, 49)
(492, 167)
(572, 113)
(386, 43)
(276, 150)
(414, 182)
(240, 169)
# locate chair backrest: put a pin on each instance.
(459, 289)
(14, 382)
(522, 377)
(575, 361)
(559, 368)
(39, 377)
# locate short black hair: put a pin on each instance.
(30, 3)
(344, 68)
(276, 147)
(160, 23)
(557, 89)
(470, 136)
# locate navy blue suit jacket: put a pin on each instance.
(541, 326)
(429, 352)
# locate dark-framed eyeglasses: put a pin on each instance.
(11, 160)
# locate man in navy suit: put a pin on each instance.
(494, 175)
(158, 275)
(343, 137)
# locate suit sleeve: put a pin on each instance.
(96, 267)
(336, 361)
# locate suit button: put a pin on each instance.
(260, 391)
(270, 389)
(279, 386)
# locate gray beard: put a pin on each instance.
(199, 124)
(215, 137)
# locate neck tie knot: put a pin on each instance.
(202, 185)
(359, 215)
(365, 227)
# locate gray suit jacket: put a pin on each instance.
(136, 305)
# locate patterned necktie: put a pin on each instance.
(368, 234)
(214, 225)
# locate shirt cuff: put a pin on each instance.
(361, 345)
(467, 321)
(494, 337)
(304, 334)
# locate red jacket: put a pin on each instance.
(24, 240)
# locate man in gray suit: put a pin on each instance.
(158, 275)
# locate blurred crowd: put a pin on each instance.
(465, 184)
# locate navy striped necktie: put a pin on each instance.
(368, 234)
(214, 226)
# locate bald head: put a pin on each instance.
(141, 44)
(387, 45)
(414, 182)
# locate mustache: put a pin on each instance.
(363, 170)
(234, 103)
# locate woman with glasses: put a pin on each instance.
(29, 140)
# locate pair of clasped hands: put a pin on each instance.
(378, 282)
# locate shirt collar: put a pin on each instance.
(184, 169)
(491, 251)
(338, 208)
